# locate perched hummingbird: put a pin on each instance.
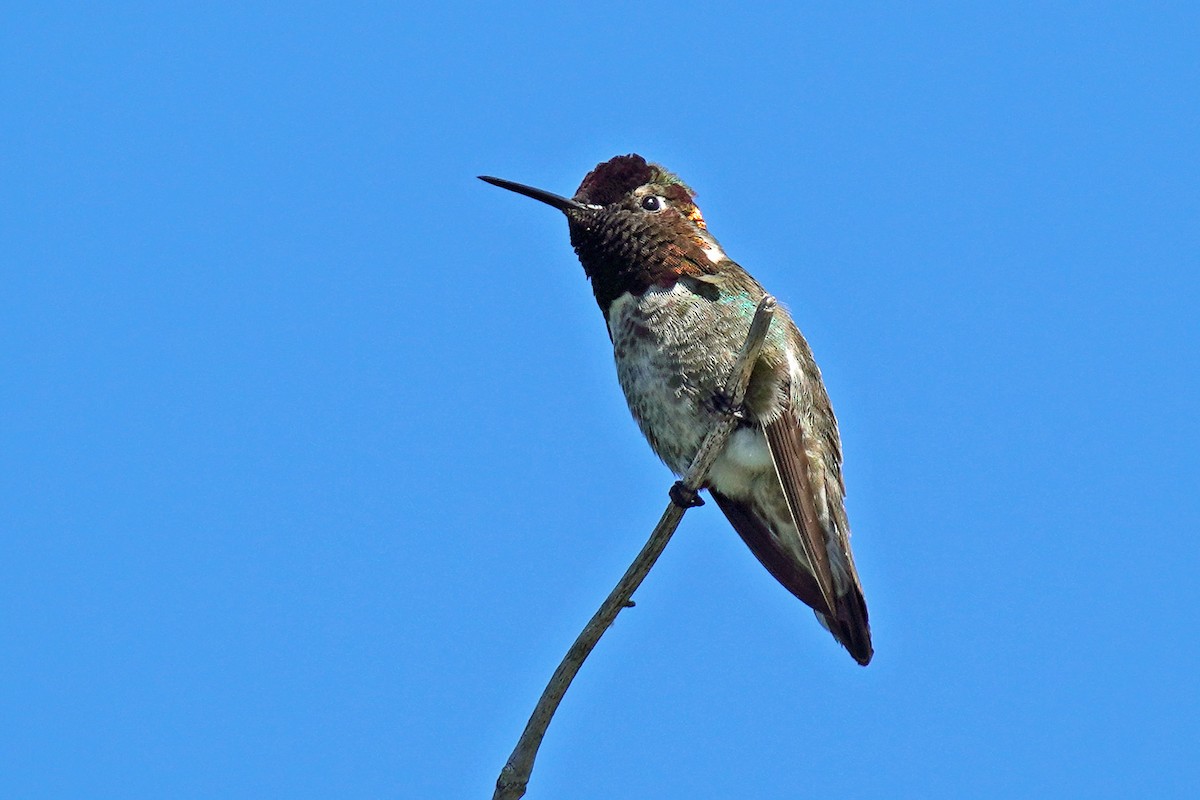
(678, 310)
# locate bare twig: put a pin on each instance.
(515, 775)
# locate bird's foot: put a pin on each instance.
(723, 404)
(684, 497)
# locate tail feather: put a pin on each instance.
(847, 622)
(851, 627)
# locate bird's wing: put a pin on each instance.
(770, 552)
(824, 534)
(785, 438)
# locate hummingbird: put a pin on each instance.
(677, 310)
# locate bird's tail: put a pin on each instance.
(849, 625)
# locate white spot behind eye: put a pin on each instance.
(715, 254)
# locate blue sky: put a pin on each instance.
(315, 461)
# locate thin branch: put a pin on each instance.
(515, 776)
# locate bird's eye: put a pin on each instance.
(652, 203)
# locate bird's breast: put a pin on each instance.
(673, 350)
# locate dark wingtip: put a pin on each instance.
(853, 629)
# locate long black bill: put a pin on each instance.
(549, 198)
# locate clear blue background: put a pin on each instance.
(314, 461)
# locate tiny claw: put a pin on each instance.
(724, 404)
(629, 604)
(684, 497)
